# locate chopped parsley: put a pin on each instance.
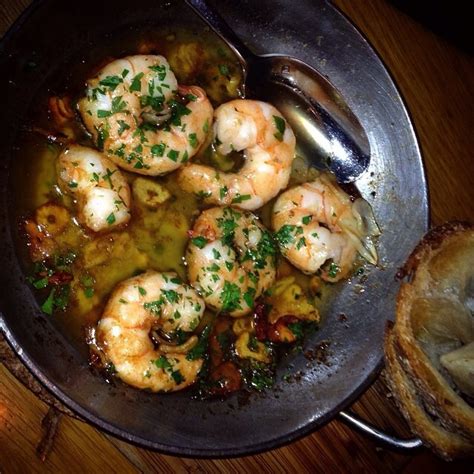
(333, 270)
(154, 306)
(173, 155)
(223, 192)
(198, 351)
(136, 85)
(287, 234)
(280, 126)
(199, 241)
(158, 150)
(307, 219)
(111, 82)
(224, 69)
(240, 198)
(111, 219)
(193, 141)
(178, 110)
(230, 297)
(171, 295)
(122, 126)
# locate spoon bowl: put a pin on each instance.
(327, 133)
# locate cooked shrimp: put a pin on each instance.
(231, 259)
(317, 222)
(101, 191)
(268, 143)
(134, 115)
(136, 307)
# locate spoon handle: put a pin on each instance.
(217, 23)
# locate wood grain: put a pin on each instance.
(436, 79)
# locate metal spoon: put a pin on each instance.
(326, 131)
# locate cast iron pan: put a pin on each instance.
(50, 35)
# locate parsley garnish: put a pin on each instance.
(111, 82)
(158, 150)
(193, 141)
(136, 85)
(280, 126)
(111, 218)
(333, 270)
(240, 198)
(224, 69)
(199, 241)
(230, 297)
(173, 155)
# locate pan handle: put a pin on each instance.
(392, 442)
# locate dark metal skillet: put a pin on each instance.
(46, 38)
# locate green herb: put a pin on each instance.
(230, 297)
(223, 192)
(72, 184)
(199, 241)
(253, 344)
(224, 69)
(249, 296)
(178, 110)
(307, 219)
(228, 225)
(193, 141)
(296, 329)
(217, 255)
(301, 243)
(280, 126)
(240, 198)
(142, 291)
(177, 376)
(156, 103)
(259, 377)
(161, 70)
(122, 126)
(89, 292)
(229, 266)
(171, 295)
(198, 351)
(191, 97)
(136, 85)
(111, 82)
(48, 306)
(162, 363)
(154, 306)
(125, 72)
(333, 270)
(158, 150)
(176, 280)
(40, 284)
(173, 155)
(110, 218)
(286, 234)
(205, 127)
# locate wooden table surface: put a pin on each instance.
(437, 80)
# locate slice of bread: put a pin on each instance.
(428, 355)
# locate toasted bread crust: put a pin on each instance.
(439, 271)
(447, 444)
